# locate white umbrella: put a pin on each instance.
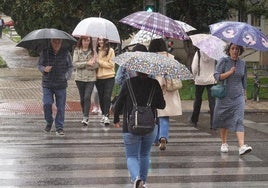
(186, 27)
(143, 37)
(97, 27)
(210, 45)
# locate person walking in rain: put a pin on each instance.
(55, 64)
(2, 24)
(138, 147)
(84, 61)
(105, 77)
(229, 111)
(203, 68)
(172, 98)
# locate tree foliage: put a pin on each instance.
(29, 15)
(200, 14)
(245, 7)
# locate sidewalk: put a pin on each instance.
(21, 82)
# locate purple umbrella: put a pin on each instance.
(156, 23)
(241, 34)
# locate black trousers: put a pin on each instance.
(199, 89)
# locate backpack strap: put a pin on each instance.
(199, 56)
(151, 96)
(132, 96)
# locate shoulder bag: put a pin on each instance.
(219, 90)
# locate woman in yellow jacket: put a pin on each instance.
(105, 77)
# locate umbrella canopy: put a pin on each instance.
(186, 27)
(97, 27)
(241, 34)
(143, 37)
(39, 39)
(154, 64)
(156, 23)
(212, 46)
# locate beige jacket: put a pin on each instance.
(106, 65)
(172, 98)
(84, 72)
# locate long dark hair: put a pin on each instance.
(157, 45)
(106, 46)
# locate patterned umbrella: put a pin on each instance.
(186, 27)
(156, 23)
(143, 37)
(241, 34)
(154, 64)
(210, 45)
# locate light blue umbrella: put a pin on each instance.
(241, 34)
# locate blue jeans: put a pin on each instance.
(138, 150)
(105, 90)
(85, 90)
(48, 100)
(163, 129)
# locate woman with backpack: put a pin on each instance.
(138, 147)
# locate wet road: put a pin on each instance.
(94, 157)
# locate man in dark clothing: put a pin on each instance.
(2, 24)
(55, 64)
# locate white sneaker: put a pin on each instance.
(245, 149)
(102, 119)
(94, 110)
(224, 148)
(106, 121)
(99, 111)
(85, 121)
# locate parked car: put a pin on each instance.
(9, 23)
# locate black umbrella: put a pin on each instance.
(39, 39)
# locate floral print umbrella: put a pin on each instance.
(241, 34)
(153, 64)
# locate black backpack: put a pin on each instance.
(141, 121)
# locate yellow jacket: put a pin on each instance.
(106, 65)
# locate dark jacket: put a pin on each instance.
(61, 71)
(142, 88)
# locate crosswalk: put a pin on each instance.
(94, 158)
